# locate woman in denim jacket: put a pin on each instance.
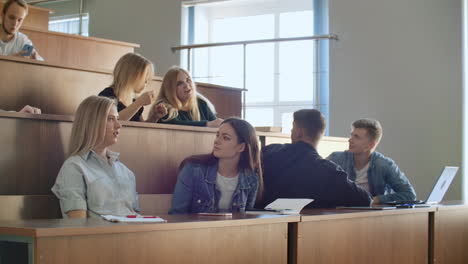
(228, 179)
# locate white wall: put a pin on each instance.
(155, 25)
(400, 61)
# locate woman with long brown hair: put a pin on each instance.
(228, 179)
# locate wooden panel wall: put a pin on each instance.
(231, 106)
(34, 148)
(59, 90)
(33, 151)
(78, 51)
(451, 235)
(37, 18)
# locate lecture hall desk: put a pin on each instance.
(358, 236)
(449, 226)
(183, 239)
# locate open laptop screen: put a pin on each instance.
(442, 185)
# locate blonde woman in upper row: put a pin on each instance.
(183, 105)
(131, 75)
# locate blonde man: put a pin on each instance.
(370, 169)
(92, 181)
(12, 42)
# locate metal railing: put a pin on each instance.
(317, 38)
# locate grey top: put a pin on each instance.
(226, 187)
(88, 182)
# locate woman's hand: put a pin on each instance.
(146, 98)
(158, 112)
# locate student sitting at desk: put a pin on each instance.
(12, 41)
(184, 105)
(131, 75)
(297, 171)
(228, 179)
(92, 181)
(370, 169)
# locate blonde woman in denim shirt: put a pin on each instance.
(370, 169)
(93, 181)
(228, 179)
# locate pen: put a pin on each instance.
(136, 216)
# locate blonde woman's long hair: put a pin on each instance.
(89, 125)
(168, 96)
(130, 68)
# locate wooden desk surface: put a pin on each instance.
(452, 205)
(96, 226)
(184, 239)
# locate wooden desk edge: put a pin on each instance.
(347, 214)
(68, 118)
(95, 39)
(114, 228)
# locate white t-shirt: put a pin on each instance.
(226, 186)
(361, 177)
(15, 45)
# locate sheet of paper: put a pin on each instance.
(123, 219)
(288, 206)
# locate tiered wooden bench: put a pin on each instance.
(58, 89)
(78, 51)
(35, 146)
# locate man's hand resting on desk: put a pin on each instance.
(31, 110)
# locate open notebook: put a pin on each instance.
(133, 219)
(283, 206)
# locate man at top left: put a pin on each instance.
(13, 42)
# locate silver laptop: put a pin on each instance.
(442, 185)
(438, 191)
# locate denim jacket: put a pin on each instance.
(196, 190)
(386, 180)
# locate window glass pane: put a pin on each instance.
(296, 71)
(243, 28)
(260, 73)
(296, 24)
(70, 25)
(259, 116)
(226, 66)
(286, 122)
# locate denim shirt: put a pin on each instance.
(386, 180)
(196, 191)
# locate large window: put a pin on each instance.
(70, 24)
(279, 76)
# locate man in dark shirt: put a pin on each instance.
(297, 171)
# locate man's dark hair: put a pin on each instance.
(312, 121)
(372, 126)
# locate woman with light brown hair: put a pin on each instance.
(92, 181)
(182, 103)
(229, 179)
(131, 75)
